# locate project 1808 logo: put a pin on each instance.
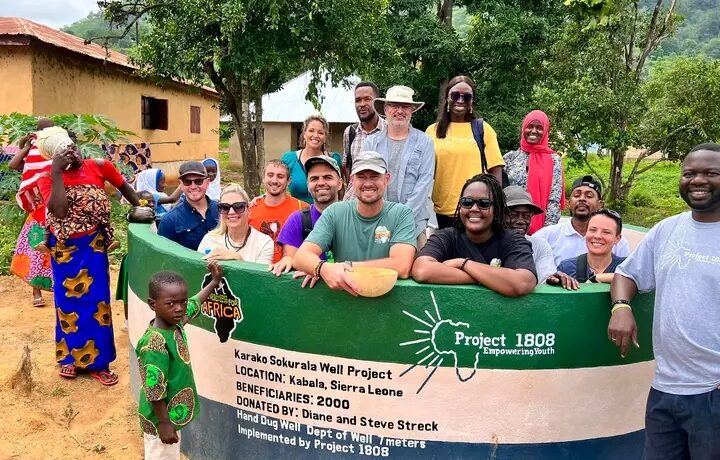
(223, 306)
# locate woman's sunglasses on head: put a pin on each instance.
(482, 203)
(239, 207)
(189, 182)
(464, 97)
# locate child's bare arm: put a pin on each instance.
(217, 273)
(172, 198)
(166, 430)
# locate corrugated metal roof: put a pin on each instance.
(21, 27)
(289, 104)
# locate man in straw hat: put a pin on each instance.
(409, 154)
(522, 209)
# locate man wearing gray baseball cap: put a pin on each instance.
(365, 232)
(522, 209)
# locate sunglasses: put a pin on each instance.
(464, 97)
(482, 203)
(239, 207)
(608, 212)
(189, 182)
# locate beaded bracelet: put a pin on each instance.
(462, 266)
(318, 267)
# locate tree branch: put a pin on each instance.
(651, 165)
(649, 40)
(126, 13)
(592, 170)
(631, 47)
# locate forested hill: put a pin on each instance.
(698, 33)
(95, 25)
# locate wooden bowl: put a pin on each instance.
(373, 282)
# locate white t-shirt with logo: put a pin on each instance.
(680, 259)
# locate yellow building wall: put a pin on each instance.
(16, 90)
(64, 84)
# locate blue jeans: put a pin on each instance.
(679, 427)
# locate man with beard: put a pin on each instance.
(522, 209)
(188, 222)
(365, 232)
(269, 212)
(323, 182)
(409, 153)
(680, 260)
(370, 123)
(567, 239)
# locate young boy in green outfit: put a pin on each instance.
(168, 398)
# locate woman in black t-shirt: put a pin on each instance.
(477, 248)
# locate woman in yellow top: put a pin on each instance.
(457, 156)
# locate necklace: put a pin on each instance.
(228, 243)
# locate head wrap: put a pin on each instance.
(213, 190)
(146, 181)
(540, 168)
(52, 140)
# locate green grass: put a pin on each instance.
(224, 144)
(653, 197)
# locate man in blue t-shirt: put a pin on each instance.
(324, 183)
(680, 260)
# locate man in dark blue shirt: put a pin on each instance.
(196, 215)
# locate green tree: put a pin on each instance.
(501, 44)
(247, 49)
(594, 90)
(95, 26)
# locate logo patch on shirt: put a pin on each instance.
(382, 235)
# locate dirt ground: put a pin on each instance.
(60, 419)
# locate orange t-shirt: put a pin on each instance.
(270, 219)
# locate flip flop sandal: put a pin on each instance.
(39, 303)
(68, 371)
(107, 378)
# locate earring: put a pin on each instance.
(448, 107)
(470, 109)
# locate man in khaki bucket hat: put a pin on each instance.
(409, 153)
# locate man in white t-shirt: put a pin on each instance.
(679, 259)
(567, 239)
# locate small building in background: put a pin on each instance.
(47, 71)
(284, 112)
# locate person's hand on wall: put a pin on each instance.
(312, 280)
(282, 266)
(336, 277)
(563, 280)
(223, 254)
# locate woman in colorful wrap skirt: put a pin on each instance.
(78, 217)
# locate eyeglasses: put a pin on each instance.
(189, 182)
(398, 106)
(521, 215)
(464, 97)
(482, 203)
(239, 207)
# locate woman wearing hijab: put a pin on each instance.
(213, 171)
(153, 180)
(538, 169)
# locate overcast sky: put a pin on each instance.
(53, 13)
